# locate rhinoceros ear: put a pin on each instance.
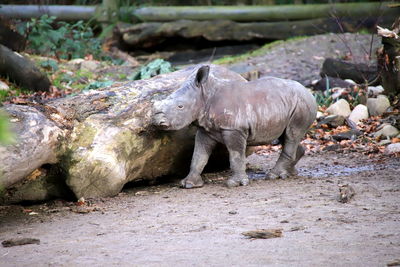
(202, 75)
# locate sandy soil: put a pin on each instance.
(164, 225)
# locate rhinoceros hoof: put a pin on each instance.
(236, 182)
(274, 175)
(191, 183)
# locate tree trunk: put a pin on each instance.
(100, 140)
(22, 71)
(147, 35)
(389, 60)
(11, 38)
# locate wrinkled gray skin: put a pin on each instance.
(239, 114)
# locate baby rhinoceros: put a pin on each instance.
(238, 114)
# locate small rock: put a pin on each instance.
(346, 192)
(75, 63)
(319, 114)
(20, 242)
(4, 86)
(264, 233)
(384, 142)
(387, 131)
(392, 148)
(377, 106)
(332, 121)
(90, 65)
(375, 90)
(333, 147)
(340, 108)
(395, 262)
(297, 228)
(350, 81)
(284, 221)
(232, 212)
(349, 135)
(360, 112)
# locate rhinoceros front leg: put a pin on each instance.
(202, 150)
(236, 142)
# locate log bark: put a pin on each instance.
(389, 59)
(101, 140)
(358, 72)
(148, 35)
(22, 71)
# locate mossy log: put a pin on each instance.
(148, 35)
(99, 140)
(22, 71)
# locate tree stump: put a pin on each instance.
(389, 59)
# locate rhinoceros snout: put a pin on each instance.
(160, 120)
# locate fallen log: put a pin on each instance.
(360, 72)
(148, 35)
(22, 71)
(100, 140)
(235, 13)
(389, 59)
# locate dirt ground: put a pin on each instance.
(163, 225)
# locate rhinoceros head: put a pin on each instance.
(182, 107)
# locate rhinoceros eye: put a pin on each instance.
(180, 106)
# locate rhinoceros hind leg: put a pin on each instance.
(285, 166)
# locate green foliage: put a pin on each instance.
(155, 67)
(49, 64)
(64, 40)
(97, 85)
(323, 98)
(5, 134)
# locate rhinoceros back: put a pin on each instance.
(263, 108)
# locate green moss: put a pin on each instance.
(258, 52)
(86, 136)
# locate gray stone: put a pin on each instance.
(384, 142)
(332, 121)
(340, 108)
(90, 65)
(349, 135)
(393, 148)
(375, 90)
(387, 131)
(360, 112)
(4, 86)
(377, 106)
